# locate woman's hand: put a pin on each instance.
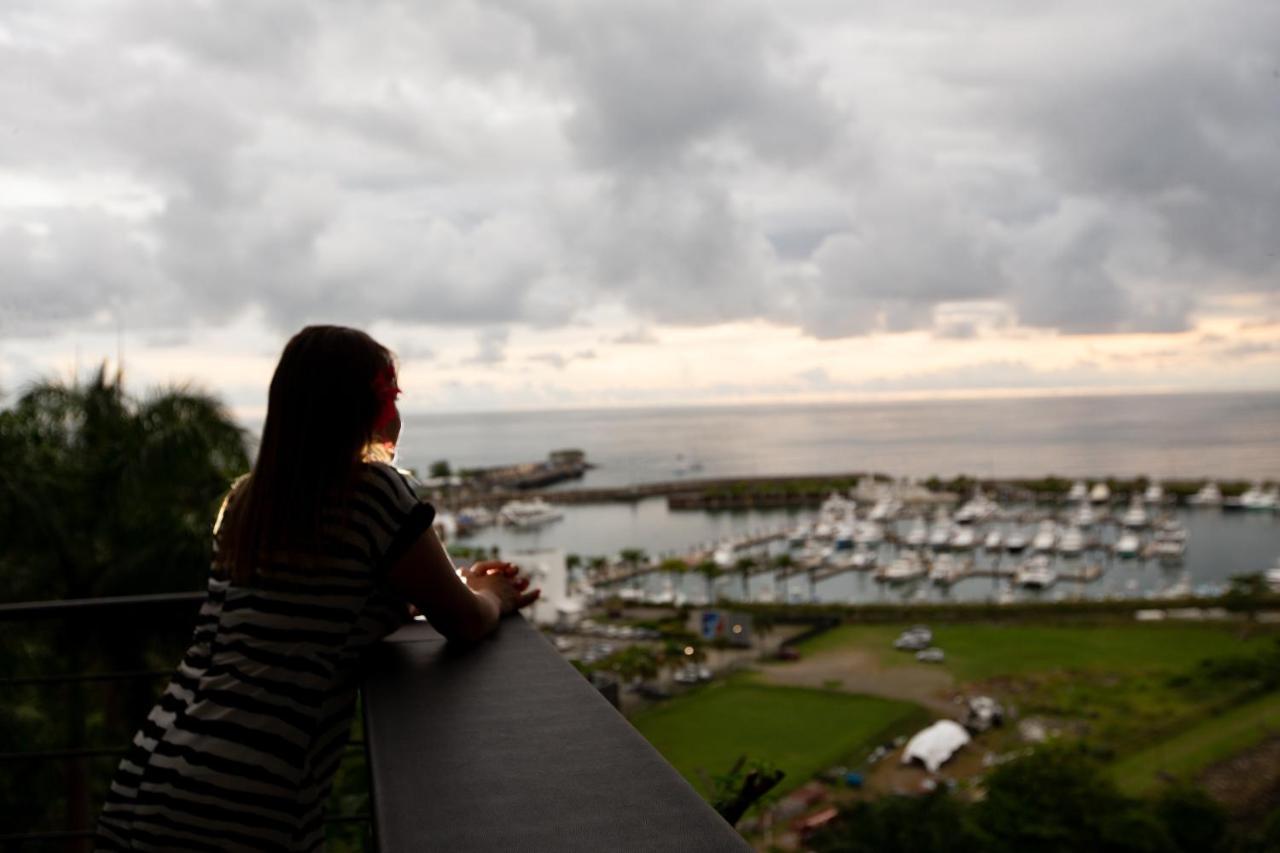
(504, 582)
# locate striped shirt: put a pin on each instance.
(240, 751)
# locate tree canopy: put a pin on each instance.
(104, 494)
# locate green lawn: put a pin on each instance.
(982, 651)
(1214, 739)
(800, 731)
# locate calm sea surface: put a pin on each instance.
(1207, 435)
(1184, 436)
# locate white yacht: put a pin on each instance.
(1256, 499)
(993, 541)
(845, 534)
(917, 534)
(1072, 542)
(1273, 576)
(1036, 573)
(862, 558)
(1169, 529)
(531, 513)
(837, 507)
(1167, 550)
(977, 508)
(868, 533)
(1084, 517)
(1128, 545)
(1100, 493)
(907, 567)
(964, 538)
(940, 532)
(1136, 515)
(885, 509)
(1079, 491)
(1154, 494)
(1016, 542)
(945, 570)
(1046, 536)
(1209, 495)
(476, 516)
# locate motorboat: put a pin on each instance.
(906, 567)
(868, 533)
(917, 534)
(837, 507)
(1256, 499)
(1167, 550)
(993, 540)
(964, 538)
(1154, 494)
(1017, 541)
(885, 509)
(530, 513)
(1169, 529)
(1079, 491)
(940, 532)
(1046, 536)
(945, 570)
(1208, 496)
(1169, 544)
(1100, 493)
(1035, 573)
(1272, 576)
(1084, 517)
(475, 516)
(862, 558)
(977, 508)
(1136, 515)
(845, 535)
(1128, 545)
(1072, 542)
(798, 536)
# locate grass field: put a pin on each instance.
(800, 731)
(1198, 747)
(976, 652)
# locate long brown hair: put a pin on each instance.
(324, 401)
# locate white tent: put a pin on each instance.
(935, 745)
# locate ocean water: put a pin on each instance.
(1223, 436)
(1173, 436)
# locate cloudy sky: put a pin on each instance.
(586, 203)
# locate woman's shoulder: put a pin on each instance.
(388, 479)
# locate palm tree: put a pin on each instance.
(101, 495)
(744, 565)
(709, 570)
(633, 557)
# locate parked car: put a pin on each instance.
(914, 639)
(983, 713)
(931, 655)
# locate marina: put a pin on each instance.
(872, 545)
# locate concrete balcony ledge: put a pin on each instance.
(505, 746)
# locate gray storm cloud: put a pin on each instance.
(1093, 167)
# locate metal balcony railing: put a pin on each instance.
(505, 746)
(54, 772)
(501, 746)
